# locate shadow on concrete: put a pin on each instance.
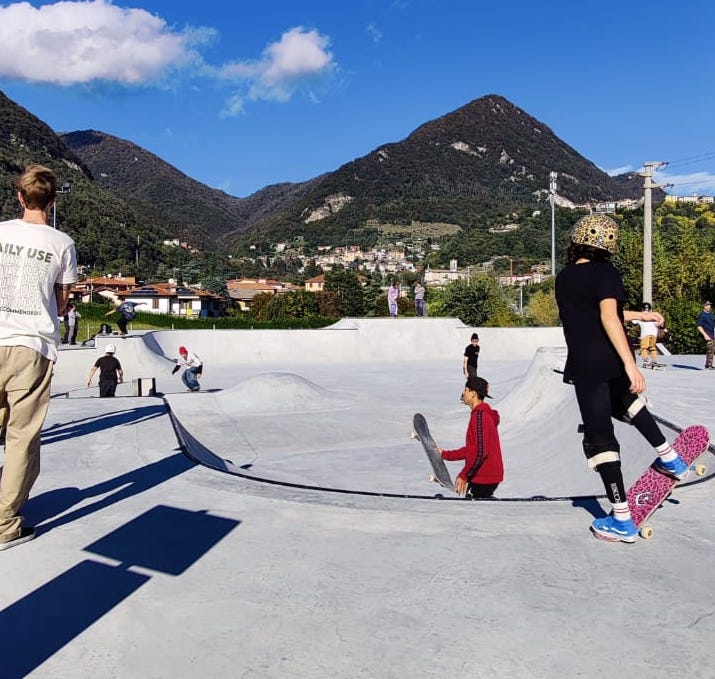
(164, 539)
(591, 505)
(88, 425)
(54, 502)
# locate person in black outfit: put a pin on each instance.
(471, 357)
(602, 367)
(110, 372)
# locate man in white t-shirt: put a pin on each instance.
(38, 266)
(649, 336)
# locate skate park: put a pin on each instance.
(280, 522)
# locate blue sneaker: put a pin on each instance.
(675, 468)
(613, 530)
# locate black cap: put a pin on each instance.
(475, 336)
(480, 385)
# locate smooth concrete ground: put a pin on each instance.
(150, 565)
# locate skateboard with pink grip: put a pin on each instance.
(653, 487)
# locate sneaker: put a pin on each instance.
(613, 530)
(675, 468)
(26, 534)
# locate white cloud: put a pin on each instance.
(374, 32)
(299, 60)
(79, 42)
(619, 170)
(72, 42)
(687, 184)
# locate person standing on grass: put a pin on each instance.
(38, 266)
(706, 327)
(393, 293)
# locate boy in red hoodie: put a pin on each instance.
(483, 467)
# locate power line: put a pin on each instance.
(691, 160)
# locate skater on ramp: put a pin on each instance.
(110, 372)
(648, 339)
(602, 367)
(483, 467)
(194, 368)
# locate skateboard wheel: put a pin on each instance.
(701, 470)
(646, 532)
(432, 478)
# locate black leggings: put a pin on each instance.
(599, 402)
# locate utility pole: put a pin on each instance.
(648, 186)
(65, 188)
(552, 195)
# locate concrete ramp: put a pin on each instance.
(356, 341)
(279, 391)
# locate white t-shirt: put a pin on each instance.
(33, 258)
(648, 328)
(191, 360)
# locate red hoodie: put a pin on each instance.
(492, 468)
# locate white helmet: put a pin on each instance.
(110, 349)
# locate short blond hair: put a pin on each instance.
(37, 186)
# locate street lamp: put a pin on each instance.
(552, 192)
(65, 188)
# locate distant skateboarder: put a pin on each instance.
(602, 367)
(483, 467)
(110, 372)
(649, 337)
(471, 357)
(194, 368)
(124, 313)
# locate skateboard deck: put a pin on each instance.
(653, 487)
(422, 433)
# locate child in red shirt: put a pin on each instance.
(483, 467)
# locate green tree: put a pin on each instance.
(347, 286)
(479, 302)
(542, 309)
(215, 284)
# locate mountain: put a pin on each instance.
(485, 155)
(484, 159)
(105, 228)
(186, 207)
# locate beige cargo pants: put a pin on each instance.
(24, 397)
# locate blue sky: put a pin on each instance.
(240, 95)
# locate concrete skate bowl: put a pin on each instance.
(285, 429)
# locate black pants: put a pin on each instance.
(107, 388)
(122, 324)
(471, 370)
(599, 403)
(481, 489)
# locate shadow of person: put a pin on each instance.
(55, 503)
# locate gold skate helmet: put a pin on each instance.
(598, 231)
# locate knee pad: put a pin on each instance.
(636, 405)
(599, 448)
